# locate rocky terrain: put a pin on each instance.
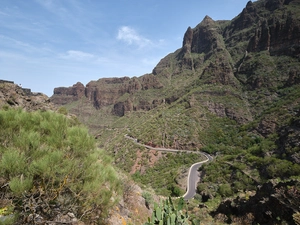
(271, 204)
(13, 95)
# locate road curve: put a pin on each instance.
(193, 177)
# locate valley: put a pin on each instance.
(224, 106)
(231, 90)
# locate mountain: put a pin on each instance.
(257, 50)
(232, 90)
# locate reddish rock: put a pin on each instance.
(107, 91)
(63, 95)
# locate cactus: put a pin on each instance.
(167, 214)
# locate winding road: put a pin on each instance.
(193, 177)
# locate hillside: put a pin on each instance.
(52, 172)
(233, 90)
(14, 96)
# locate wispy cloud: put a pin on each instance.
(78, 55)
(86, 58)
(130, 36)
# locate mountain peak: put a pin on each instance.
(207, 19)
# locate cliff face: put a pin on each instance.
(279, 33)
(64, 95)
(107, 91)
(271, 27)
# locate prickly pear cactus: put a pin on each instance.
(167, 214)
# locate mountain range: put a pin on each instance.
(232, 90)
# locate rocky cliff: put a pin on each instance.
(64, 95)
(108, 91)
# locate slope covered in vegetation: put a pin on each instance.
(50, 168)
(231, 90)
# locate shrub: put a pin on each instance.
(175, 190)
(48, 161)
(20, 185)
(225, 190)
(12, 163)
(63, 110)
(148, 198)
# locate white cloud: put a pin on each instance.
(130, 36)
(78, 55)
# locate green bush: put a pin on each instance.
(48, 156)
(12, 163)
(175, 190)
(225, 190)
(148, 198)
(20, 185)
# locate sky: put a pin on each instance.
(56, 43)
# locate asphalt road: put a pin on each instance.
(193, 177)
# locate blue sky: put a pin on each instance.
(53, 43)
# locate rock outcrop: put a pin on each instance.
(13, 95)
(278, 34)
(64, 95)
(108, 91)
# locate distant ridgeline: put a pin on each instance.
(27, 91)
